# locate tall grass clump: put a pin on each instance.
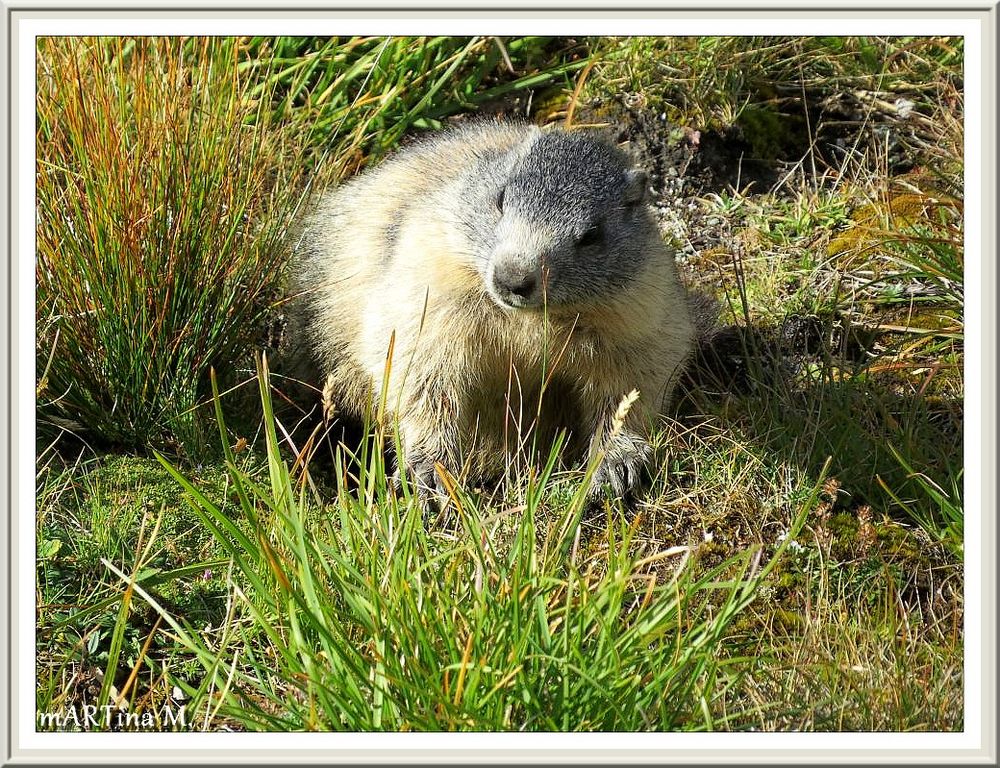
(359, 618)
(162, 216)
(356, 97)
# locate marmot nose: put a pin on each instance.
(517, 282)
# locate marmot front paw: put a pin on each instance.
(426, 484)
(626, 463)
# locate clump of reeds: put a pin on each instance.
(164, 198)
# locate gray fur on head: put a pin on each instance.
(559, 220)
(443, 257)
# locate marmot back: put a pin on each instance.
(526, 288)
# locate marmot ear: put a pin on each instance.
(636, 183)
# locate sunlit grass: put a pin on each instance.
(369, 621)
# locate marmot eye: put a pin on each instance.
(500, 200)
(592, 236)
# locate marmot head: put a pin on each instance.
(567, 222)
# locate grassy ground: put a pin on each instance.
(797, 562)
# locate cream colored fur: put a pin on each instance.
(466, 373)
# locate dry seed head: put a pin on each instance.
(618, 420)
(830, 488)
(327, 400)
(867, 535)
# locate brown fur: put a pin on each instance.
(466, 374)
